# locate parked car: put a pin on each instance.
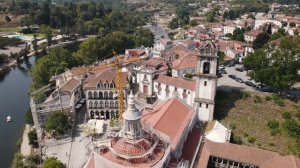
(239, 69)
(250, 84)
(239, 80)
(232, 76)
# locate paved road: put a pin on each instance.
(158, 31)
(226, 82)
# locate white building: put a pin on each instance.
(161, 45)
(251, 35)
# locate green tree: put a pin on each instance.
(28, 117)
(57, 124)
(278, 67)
(47, 31)
(210, 17)
(193, 23)
(261, 40)
(32, 136)
(53, 162)
(143, 37)
(88, 52)
(32, 161)
(280, 33)
(18, 161)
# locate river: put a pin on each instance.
(14, 101)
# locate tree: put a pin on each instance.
(280, 33)
(193, 23)
(28, 117)
(261, 40)
(32, 161)
(88, 52)
(210, 17)
(47, 31)
(276, 67)
(143, 37)
(57, 124)
(53, 162)
(56, 62)
(17, 161)
(7, 18)
(32, 136)
(238, 34)
(174, 24)
(292, 24)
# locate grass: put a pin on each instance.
(9, 29)
(250, 117)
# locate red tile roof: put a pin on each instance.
(107, 76)
(186, 84)
(185, 63)
(245, 154)
(253, 33)
(153, 62)
(171, 118)
(70, 85)
(179, 50)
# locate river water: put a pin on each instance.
(14, 101)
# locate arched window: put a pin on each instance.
(105, 95)
(206, 67)
(112, 85)
(90, 95)
(96, 104)
(101, 104)
(111, 104)
(107, 84)
(98, 85)
(90, 104)
(111, 95)
(106, 104)
(100, 95)
(112, 113)
(95, 95)
(116, 104)
(104, 85)
(92, 114)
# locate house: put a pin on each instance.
(251, 35)
(228, 29)
(161, 45)
(185, 65)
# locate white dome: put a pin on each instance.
(132, 113)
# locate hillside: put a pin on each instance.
(259, 120)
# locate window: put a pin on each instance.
(111, 85)
(106, 104)
(95, 95)
(101, 104)
(184, 95)
(206, 67)
(206, 105)
(111, 94)
(105, 95)
(91, 104)
(200, 104)
(96, 104)
(90, 94)
(116, 104)
(167, 90)
(205, 83)
(100, 95)
(145, 77)
(111, 104)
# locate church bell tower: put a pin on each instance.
(206, 81)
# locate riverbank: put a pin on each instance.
(25, 147)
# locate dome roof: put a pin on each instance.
(132, 113)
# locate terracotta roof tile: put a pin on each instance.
(185, 63)
(171, 118)
(186, 84)
(70, 85)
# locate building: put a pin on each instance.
(227, 155)
(185, 65)
(251, 35)
(136, 145)
(161, 45)
(64, 98)
(206, 81)
(229, 29)
(102, 96)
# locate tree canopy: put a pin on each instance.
(53, 162)
(276, 67)
(57, 123)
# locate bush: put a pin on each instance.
(232, 125)
(278, 100)
(268, 98)
(273, 124)
(271, 144)
(275, 132)
(251, 139)
(28, 117)
(188, 75)
(293, 128)
(298, 114)
(237, 140)
(257, 99)
(246, 134)
(245, 95)
(32, 136)
(286, 115)
(57, 123)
